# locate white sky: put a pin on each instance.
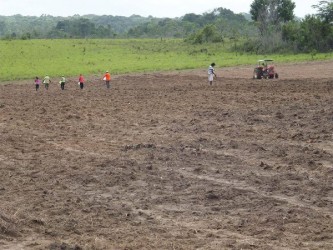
(155, 8)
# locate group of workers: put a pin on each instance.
(106, 78)
(47, 81)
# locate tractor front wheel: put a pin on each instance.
(257, 74)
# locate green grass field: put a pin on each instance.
(24, 59)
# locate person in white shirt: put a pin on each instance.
(211, 73)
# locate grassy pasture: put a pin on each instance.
(23, 59)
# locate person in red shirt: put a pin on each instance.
(81, 81)
(37, 82)
(107, 79)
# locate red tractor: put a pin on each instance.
(265, 69)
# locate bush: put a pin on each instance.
(208, 34)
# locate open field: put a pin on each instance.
(25, 59)
(164, 161)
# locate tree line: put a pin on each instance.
(271, 26)
(87, 26)
(280, 31)
(93, 26)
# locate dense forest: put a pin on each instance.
(46, 26)
(93, 26)
(271, 26)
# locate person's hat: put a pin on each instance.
(107, 71)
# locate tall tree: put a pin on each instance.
(269, 15)
(325, 10)
(272, 12)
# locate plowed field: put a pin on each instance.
(165, 161)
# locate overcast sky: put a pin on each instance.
(155, 8)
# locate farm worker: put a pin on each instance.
(107, 79)
(211, 73)
(62, 82)
(46, 81)
(37, 83)
(81, 81)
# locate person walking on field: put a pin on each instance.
(37, 83)
(62, 82)
(211, 73)
(81, 81)
(107, 79)
(46, 82)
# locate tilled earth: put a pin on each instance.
(165, 161)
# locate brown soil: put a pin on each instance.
(165, 161)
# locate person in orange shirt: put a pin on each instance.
(107, 79)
